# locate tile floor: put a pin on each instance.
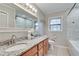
(57, 50)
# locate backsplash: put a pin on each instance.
(7, 35)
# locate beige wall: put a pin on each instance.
(60, 36)
(41, 20)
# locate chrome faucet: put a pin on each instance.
(12, 40)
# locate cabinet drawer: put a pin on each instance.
(31, 52)
(46, 42)
(40, 45)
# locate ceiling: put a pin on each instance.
(49, 8)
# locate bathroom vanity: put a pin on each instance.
(39, 49)
(35, 47)
(16, 19)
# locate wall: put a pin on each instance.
(41, 20)
(60, 36)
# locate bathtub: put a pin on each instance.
(74, 47)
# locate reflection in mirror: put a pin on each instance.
(28, 23)
(24, 22)
(20, 22)
(36, 25)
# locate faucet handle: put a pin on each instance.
(13, 37)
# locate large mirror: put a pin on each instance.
(22, 22)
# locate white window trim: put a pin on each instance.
(49, 23)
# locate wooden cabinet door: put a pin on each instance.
(40, 49)
(41, 52)
(46, 42)
(45, 46)
(31, 52)
(36, 54)
(40, 45)
(45, 50)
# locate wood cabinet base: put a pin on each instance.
(40, 49)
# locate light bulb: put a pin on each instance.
(27, 4)
(35, 10)
(30, 6)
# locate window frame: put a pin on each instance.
(49, 26)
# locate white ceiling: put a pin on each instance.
(49, 8)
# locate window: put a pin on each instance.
(55, 24)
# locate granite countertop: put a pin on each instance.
(29, 44)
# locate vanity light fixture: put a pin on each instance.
(34, 10)
(31, 8)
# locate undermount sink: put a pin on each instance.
(16, 47)
(24, 41)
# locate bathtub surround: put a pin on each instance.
(73, 23)
(73, 31)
